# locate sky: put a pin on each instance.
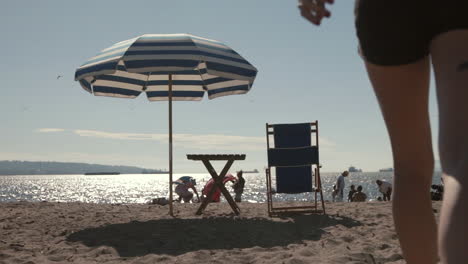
(305, 73)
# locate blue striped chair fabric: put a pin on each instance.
(292, 157)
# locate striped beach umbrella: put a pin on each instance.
(167, 67)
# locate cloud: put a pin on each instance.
(253, 146)
(192, 141)
(50, 130)
(196, 141)
(221, 142)
(207, 141)
(122, 136)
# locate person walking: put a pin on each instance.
(399, 41)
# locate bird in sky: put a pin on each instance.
(59, 76)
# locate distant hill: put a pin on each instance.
(16, 167)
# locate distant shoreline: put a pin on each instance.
(18, 167)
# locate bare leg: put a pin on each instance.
(402, 92)
(449, 54)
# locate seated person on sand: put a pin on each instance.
(359, 196)
(385, 188)
(185, 183)
(351, 193)
(216, 197)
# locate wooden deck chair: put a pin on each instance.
(293, 156)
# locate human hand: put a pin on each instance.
(314, 10)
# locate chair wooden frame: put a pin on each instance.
(317, 188)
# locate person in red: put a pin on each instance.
(216, 197)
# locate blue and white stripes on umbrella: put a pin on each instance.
(143, 64)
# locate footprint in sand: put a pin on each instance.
(296, 261)
(384, 246)
(348, 239)
(307, 252)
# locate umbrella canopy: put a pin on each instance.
(180, 67)
(143, 64)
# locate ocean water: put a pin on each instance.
(141, 188)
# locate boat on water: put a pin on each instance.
(102, 173)
(354, 169)
(251, 171)
(386, 170)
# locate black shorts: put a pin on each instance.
(397, 32)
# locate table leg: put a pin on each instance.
(218, 183)
(221, 186)
(207, 200)
(214, 175)
(229, 199)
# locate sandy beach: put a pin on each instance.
(137, 233)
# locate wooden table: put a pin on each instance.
(218, 179)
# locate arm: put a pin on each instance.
(195, 191)
(314, 10)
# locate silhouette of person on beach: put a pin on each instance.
(399, 41)
(385, 188)
(352, 191)
(334, 192)
(183, 184)
(359, 196)
(340, 184)
(238, 187)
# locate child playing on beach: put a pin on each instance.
(182, 189)
(359, 196)
(399, 41)
(352, 191)
(216, 196)
(238, 187)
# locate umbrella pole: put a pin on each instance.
(170, 146)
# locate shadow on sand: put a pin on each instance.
(179, 236)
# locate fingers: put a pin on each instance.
(314, 10)
(307, 14)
